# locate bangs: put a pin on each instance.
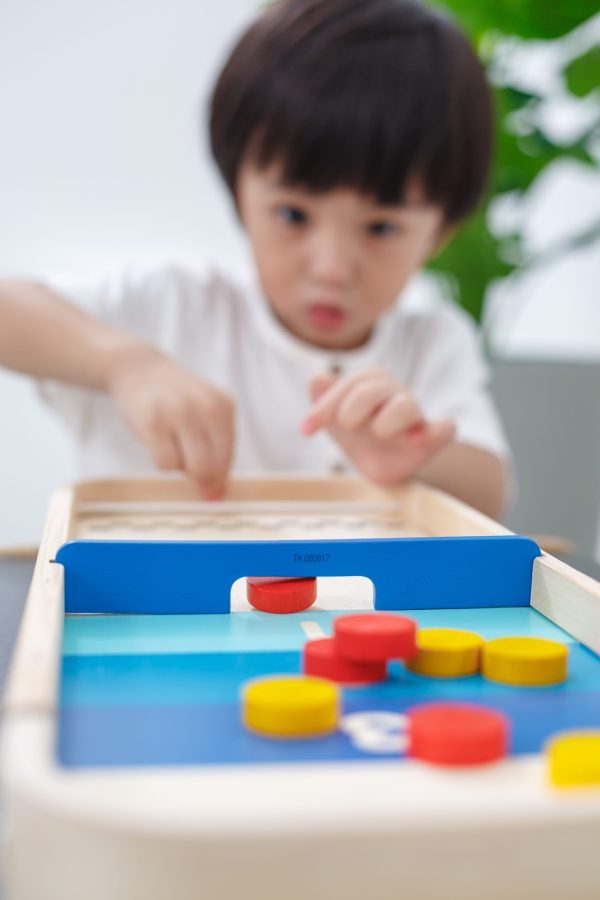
(369, 94)
(354, 126)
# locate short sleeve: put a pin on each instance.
(146, 303)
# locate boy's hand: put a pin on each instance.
(184, 422)
(376, 423)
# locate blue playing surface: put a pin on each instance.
(164, 690)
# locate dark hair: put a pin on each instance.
(357, 93)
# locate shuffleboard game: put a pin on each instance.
(133, 767)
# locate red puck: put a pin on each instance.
(457, 734)
(321, 658)
(288, 596)
(375, 637)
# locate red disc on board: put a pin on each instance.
(457, 734)
(375, 637)
(321, 659)
(288, 596)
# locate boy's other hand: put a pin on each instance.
(377, 424)
(184, 422)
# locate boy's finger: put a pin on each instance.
(361, 403)
(398, 414)
(322, 411)
(221, 439)
(199, 463)
(164, 450)
(319, 385)
(437, 435)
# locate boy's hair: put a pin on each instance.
(366, 94)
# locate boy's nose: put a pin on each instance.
(332, 261)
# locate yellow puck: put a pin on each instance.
(446, 653)
(574, 759)
(290, 706)
(524, 661)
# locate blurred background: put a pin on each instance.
(104, 163)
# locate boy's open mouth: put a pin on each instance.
(325, 315)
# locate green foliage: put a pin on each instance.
(476, 257)
(583, 74)
(470, 262)
(530, 19)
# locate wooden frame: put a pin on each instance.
(364, 832)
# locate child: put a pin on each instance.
(354, 135)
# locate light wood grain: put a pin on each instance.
(443, 515)
(34, 670)
(568, 598)
(18, 552)
(243, 489)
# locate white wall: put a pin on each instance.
(553, 310)
(101, 163)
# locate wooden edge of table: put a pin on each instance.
(19, 552)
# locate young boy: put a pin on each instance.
(354, 135)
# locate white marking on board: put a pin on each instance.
(377, 732)
(312, 630)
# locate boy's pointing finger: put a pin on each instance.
(439, 434)
(327, 392)
(319, 385)
(326, 398)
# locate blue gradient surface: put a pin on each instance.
(164, 690)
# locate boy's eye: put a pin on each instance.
(382, 229)
(291, 215)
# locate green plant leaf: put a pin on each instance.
(476, 258)
(583, 74)
(471, 261)
(530, 19)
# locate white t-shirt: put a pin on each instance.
(226, 333)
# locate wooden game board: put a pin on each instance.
(368, 829)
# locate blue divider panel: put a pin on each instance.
(196, 576)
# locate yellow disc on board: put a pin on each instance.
(291, 706)
(446, 653)
(574, 759)
(524, 661)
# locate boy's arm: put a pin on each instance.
(472, 474)
(184, 422)
(43, 335)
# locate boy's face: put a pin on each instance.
(331, 263)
